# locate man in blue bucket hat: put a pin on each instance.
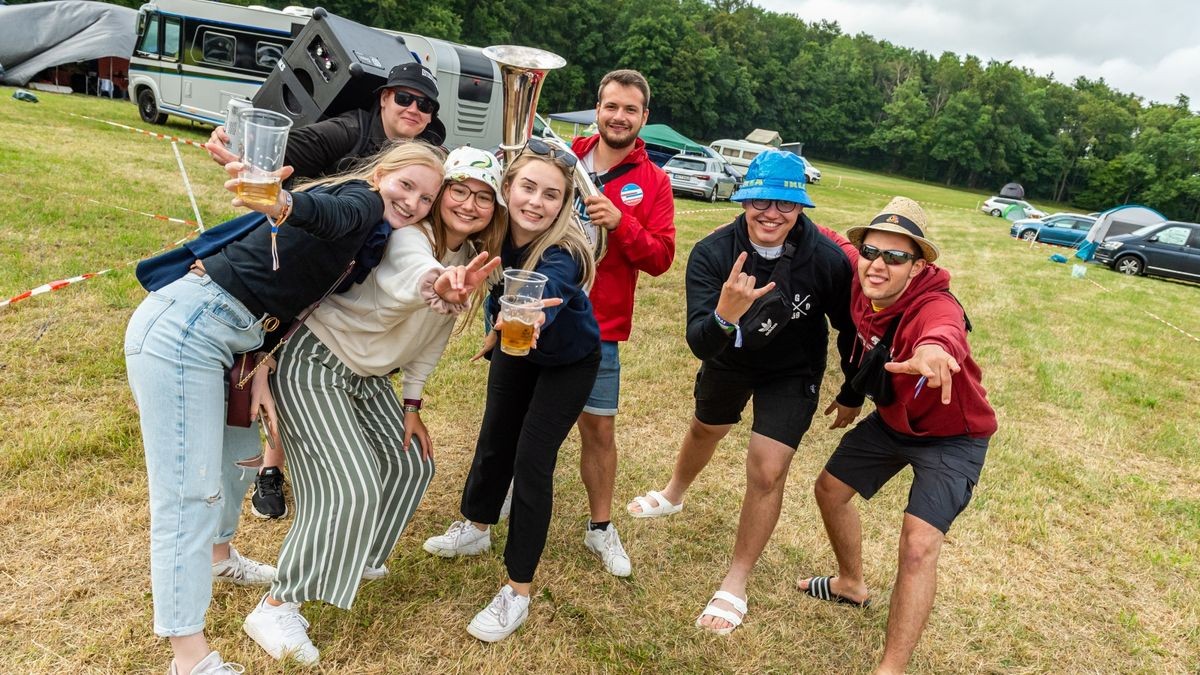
(758, 294)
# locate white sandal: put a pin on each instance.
(664, 507)
(739, 605)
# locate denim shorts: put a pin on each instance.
(607, 390)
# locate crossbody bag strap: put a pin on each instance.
(296, 325)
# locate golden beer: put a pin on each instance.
(516, 337)
(259, 190)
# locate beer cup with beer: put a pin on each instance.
(264, 138)
(519, 314)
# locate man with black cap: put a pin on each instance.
(759, 291)
(407, 108)
(913, 335)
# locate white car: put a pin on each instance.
(997, 206)
(811, 173)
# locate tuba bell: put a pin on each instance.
(522, 72)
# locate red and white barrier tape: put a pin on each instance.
(1150, 314)
(63, 283)
(154, 134)
(156, 216)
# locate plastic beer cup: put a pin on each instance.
(524, 283)
(264, 139)
(519, 314)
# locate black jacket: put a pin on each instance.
(818, 287)
(316, 243)
(337, 144)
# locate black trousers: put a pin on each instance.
(530, 410)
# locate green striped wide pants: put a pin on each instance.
(354, 485)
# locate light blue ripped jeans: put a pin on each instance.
(178, 344)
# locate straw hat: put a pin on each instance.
(901, 216)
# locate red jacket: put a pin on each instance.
(931, 316)
(643, 242)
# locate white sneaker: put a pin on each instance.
(373, 573)
(504, 615)
(240, 570)
(506, 507)
(462, 538)
(282, 632)
(211, 665)
(606, 544)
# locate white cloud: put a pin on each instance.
(1152, 53)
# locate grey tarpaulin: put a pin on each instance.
(46, 34)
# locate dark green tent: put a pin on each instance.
(666, 137)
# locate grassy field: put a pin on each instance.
(1078, 554)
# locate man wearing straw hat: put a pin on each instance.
(931, 413)
(407, 109)
(759, 291)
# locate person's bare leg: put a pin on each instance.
(598, 463)
(699, 444)
(845, 535)
(767, 463)
(189, 650)
(912, 597)
(220, 552)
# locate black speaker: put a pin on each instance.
(334, 65)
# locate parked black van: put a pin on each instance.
(1169, 249)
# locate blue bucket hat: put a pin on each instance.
(775, 174)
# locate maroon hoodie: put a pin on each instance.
(931, 316)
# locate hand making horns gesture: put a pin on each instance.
(738, 292)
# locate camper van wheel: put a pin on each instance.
(148, 108)
(996, 212)
(1128, 264)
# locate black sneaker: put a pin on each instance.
(267, 500)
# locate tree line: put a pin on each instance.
(720, 68)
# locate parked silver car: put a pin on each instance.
(703, 177)
(998, 206)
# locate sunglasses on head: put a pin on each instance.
(539, 147)
(424, 103)
(890, 257)
(780, 205)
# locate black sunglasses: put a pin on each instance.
(780, 205)
(539, 147)
(890, 257)
(424, 103)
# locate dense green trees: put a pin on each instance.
(723, 67)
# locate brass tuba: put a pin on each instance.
(522, 73)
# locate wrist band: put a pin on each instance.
(412, 409)
(725, 325)
(414, 403)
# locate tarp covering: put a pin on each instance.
(665, 136)
(584, 117)
(46, 34)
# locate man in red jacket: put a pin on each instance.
(931, 412)
(637, 210)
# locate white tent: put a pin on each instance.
(42, 35)
(1122, 220)
(1117, 220)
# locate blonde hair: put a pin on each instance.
(392, 157)
(563, 231)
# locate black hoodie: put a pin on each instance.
(818, 287)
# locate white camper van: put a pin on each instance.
(741, 153)
(192, 56)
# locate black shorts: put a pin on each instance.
(945, 469)
(783, 406)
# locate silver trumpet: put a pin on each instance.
(522, 73)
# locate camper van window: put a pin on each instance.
(170, 47)
(729, 152)
(219, 48)
(267, 54)
(150, 37)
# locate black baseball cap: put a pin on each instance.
(413, 76)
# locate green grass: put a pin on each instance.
(1078, 554)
